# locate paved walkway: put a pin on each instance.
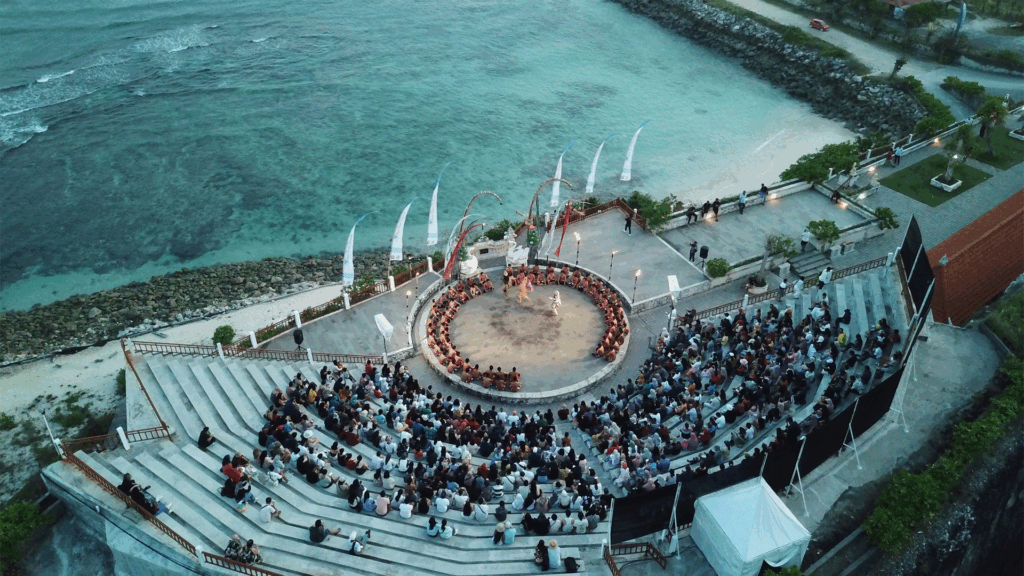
(737, 237)
(944, 220)
(603, 234)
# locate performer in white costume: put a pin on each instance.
(556, 301)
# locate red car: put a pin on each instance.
(818, 24)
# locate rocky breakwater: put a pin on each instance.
(174, 298)
(829, 84)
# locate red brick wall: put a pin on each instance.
(983, 259)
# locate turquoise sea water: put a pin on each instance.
(139, 137)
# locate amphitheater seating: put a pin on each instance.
(230, 396)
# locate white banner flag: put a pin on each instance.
(556, 187)
(348, 273)
(627, 168)
(432, 218)
(396, 240)
(593, 167)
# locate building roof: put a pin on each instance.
(981, 261)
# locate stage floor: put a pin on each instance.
(550, 351)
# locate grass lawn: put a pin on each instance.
(1005, 321)
(1006, 31)
(915, 181)
(1009, 152)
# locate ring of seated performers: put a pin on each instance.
(445, 307)
(616, 327)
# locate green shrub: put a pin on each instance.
(223, 335)
(814, 167)
(908, 499)
(924, 13)
(886, 218)
(825, 231)
(497, 232)
(655, 212)
(17, 522)
(795, 36)
(122, 383)
(965, 87)
(7, 422)
(939, 116)
(437, 256)
(717, 267)
(1010, 59)
(787, 571)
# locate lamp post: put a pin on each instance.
(577, 235)
(636, 279)
(610, 263)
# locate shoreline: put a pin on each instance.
(174, 299)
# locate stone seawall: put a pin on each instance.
(174, 298)
(829, 85)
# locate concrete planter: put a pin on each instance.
(1016, 134)
(947, 187)
(758, 289)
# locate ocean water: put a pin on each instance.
(141, 136)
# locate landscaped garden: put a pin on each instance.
(1008, 151)
(915, 181)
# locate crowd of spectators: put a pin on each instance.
(711, 387)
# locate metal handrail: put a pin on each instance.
(236, 566)
(205, 351)
(112, 490)
(769, 295)
(131, 365)
(111, 441)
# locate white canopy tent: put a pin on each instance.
(744, 525)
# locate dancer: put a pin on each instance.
(522, 291)
(556, 301)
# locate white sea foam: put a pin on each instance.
(47, 77)
(15, 132)
(258, 40)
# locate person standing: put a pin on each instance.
(556, 301)
(824, 278)
(715, 207)
(804, 239)
(629, 223)
(522, 292)
(693, 250)
(705, 209)
(743, 201)
(798, 288)
(691, 212)
(506, 277)
(782, 289)
(763, 192)
(898, 155)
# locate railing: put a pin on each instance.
(232, 565)
(111, 441)
(773, 294)
(131, 366)
(368, 292)
(576, 216)
(113, 491)
(412, 272)
(650, 552)
(205, 351)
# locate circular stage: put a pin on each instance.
(550, 351)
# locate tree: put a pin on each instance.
(964, 145)
(223, 335)
(17, 522)
(718, 267)
(814, 167)
(656, 213)
(900, 63)
(992, 113)
(825, 231)
(886, 218)
(775, 245)
(924, 13)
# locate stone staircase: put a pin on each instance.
(809, 264)
(230, 397)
